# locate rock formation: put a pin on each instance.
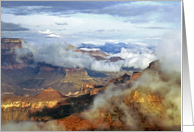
(10, 43)
(147, 109)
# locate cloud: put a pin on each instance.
(153, 27)
(134, 55)
(45, 32)
(52, 36)
(58, 54)
(92, 49)
(171, 54)
(134, 12)
(32, 126)
(64, 23)
(12, 27)
(60, 7)
(100, 30)
(153, 38)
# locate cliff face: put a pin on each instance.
(8, 55)
(47, 105)
(79, 72)
(45, 68)
(10, 43)
(137, 103)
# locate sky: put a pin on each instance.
(90, 22)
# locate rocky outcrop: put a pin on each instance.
(26, 108)
(135, 75)
(154, 65)
(125, 77)
(49, 104)
(114, 59)
(76, 72)
(10, 43)
(86, 88)
(137, 102)
(14, 66)
(99, 57)
(50, 68)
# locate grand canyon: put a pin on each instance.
(83, 99)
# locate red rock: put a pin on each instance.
(49, 94)
(99, 57)
(94, 91)
(47, 69)
(14, 66)
(76, 71)
(86, 87)
(114, 59)
(135, 75)
(10, 43)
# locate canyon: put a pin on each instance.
(23, 76)
(83, 99)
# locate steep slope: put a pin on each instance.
(73, 80)
(49, 104)
(149, 100)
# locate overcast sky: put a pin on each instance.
(95, 22)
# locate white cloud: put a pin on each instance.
(52, 36)
(93, 49)
(169, 51)
(45, 32)
(136, 56)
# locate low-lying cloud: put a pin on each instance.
(61, 54)
(32, 126)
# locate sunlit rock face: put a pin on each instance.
(49, 104)
(25, 108)
(10, 43)
(109, 120)
(86, 87)
(149, 100)
(135, 75)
